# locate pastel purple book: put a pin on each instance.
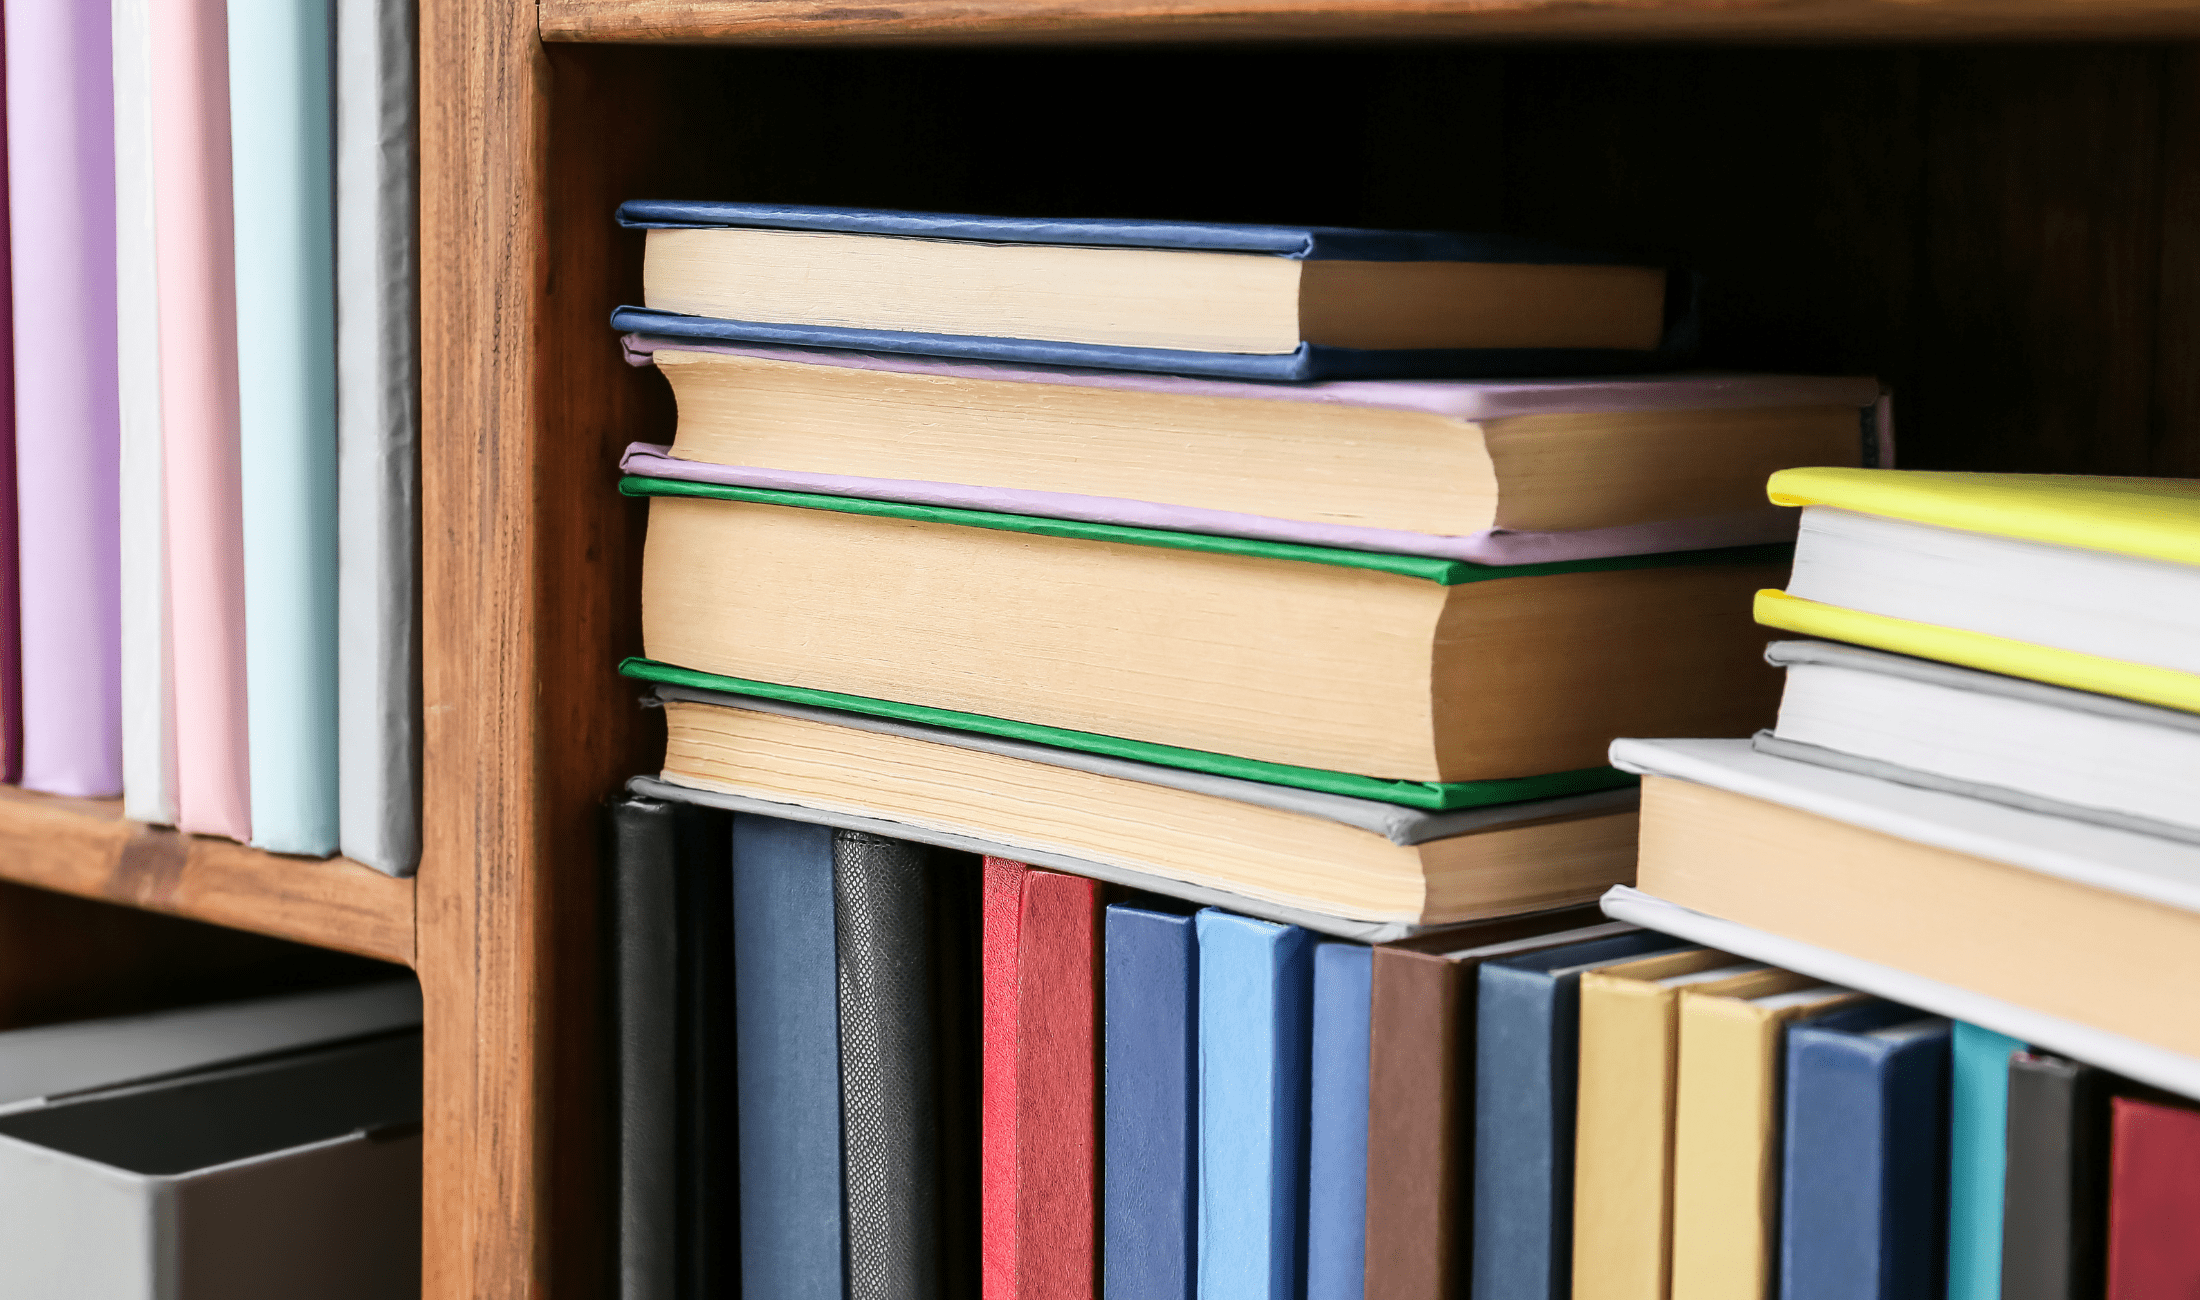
(1457, 399)
(61, 164)
(11, 628)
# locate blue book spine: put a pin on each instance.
(1862, 1187)
(1336, 1155)
(1977, 1160)
(1255, 996)
(787, 1035)
(1527, 1043)
(1149, 1223)
(282, 168)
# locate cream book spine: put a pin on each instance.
(1726, 1129)
(1623, 1143)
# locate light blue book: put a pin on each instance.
(1255, 1008)
(1977, 1159)
(281, 134)
(1336, 1154)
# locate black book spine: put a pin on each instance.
(709, 1165)
(2055, 1186)
(645, 1004)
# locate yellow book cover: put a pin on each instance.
(1623, 1125)
(2153, 518)
(1726, 1128)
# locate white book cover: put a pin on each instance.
(378, 423)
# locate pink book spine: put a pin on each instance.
(1003, 911)
(61, 166)
(11, 627)
(198, 398)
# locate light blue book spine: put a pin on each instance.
(281, 140)
(1336, 1156)
(1255, 995)
(378, 434)
(1977, 1159)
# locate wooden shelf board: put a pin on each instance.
(1109, 21)
(88, 848)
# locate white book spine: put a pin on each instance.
(148, 676)
(378, 423)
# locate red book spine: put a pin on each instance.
(1003, 910)
(1058, 1090)
(2154, 1202)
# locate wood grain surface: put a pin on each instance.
(1100, 21)
(85, 847)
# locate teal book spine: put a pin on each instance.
(1255, 1025)
(281, 141)
(1977, 1160)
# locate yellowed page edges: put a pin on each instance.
(2155, 518)
(2143, 682)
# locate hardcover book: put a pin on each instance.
(2055, 1180)
(1238, 301)
(1493, 471)
(1393, 666)
(1978, 1131)
(2153, 1200)
(1338, 1121)
(1150, 1128)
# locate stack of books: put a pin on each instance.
(1979, 797)
(208, 475)
(1078, 641)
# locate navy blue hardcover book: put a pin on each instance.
(1336, 1155)
(1675, 334)
(787, 1025)
(1527, 1043)
(1150, 1105)
(1863, 1190)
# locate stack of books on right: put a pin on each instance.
(1982, 798)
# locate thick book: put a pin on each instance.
(1338, 1119)
(1863, 1168)
(671, 960)
(787, 1032)
(378, 434)
(61, 230)
(202, 503)
(1624, 1117)
(2090, 583)
(1978, 1134)
(281, 131)
(1255, 1005)
(1233, 301)
(11, 575)
(2045, 749)
(1400, 667)
(2054, 1199)
(148, 671)
(1727, 1130)
(2115, 915)
(2153, 1201)
(1040, 1139)
(1173, 828)
(1150, 1106)
(1420, 1102)
(1492, 471)
(1527, 1045)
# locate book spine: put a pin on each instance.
(787, 1027)
(882, 913)
(1149, 1131)
(646, 985)
(281, 133)
(148, 676)
(1524, 1060)
(1977, 1146)
(61, 162)
(2054, 1184)
(1337, 1171)
(709, 1172)
(2154, 1200)
(1002, 909)
(378, 434)
(11, 572)
(1420, 1129)
(1254, 1012)
(198, 412)
(1058, 1088)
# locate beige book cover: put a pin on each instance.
(1623, 1146)
(1726, 1128)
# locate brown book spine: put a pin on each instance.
(1418, 1129)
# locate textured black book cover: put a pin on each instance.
(907, 962)
(2055, 1187)
(670, 882)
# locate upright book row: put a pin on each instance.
(210, 592)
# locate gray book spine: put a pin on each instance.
(377, 434)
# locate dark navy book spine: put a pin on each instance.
(787, 1026)
(1149, 1107)
(1336, 1158)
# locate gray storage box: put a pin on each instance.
(282, 1179)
